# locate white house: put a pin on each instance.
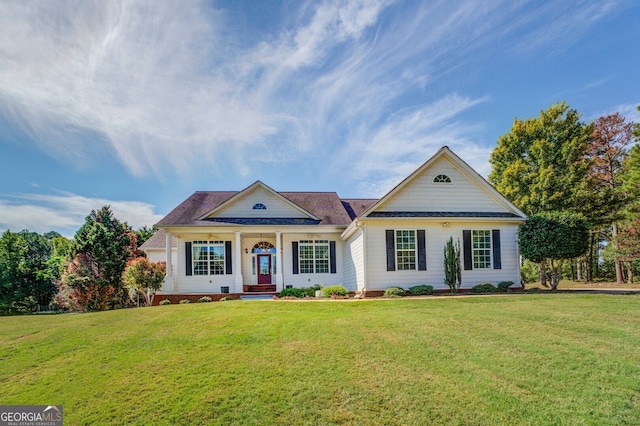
(259, 239)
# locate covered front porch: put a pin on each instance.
(262, 260)
(253, 264)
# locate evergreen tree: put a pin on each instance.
(99, 253)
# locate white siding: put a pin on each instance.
(275, 207)
(461, 195)
(436, 236)
(160, 255)
(354, 262)
(195, 284)
(307, 280)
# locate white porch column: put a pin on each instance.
(237, 264)
(168, 278)
(279, 263)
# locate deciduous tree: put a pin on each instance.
(143, 277)
(538, 163)
(25, 280)
(606, 156)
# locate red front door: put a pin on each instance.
(264, 268)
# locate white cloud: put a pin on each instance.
(169, 86)
(629, 111)
(65, 212)
(383, 157)
(142, 80)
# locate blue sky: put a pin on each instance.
(137, 104)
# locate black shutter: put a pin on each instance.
(228, 258)
(188, 258)
(391, 250)
(467, 250)
(495, 243)
(332, 257)
(294, 256)
(422, 251)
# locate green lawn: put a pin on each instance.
(517, 359)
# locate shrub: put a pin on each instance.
(503, 286)
(421, 290)
(165, 302)
(394, 292)
(300, 292)
(204, 299)
(226, 298)
(293, 292)
(185, 301)
(27, 305)
(484, 288)
(335, 290)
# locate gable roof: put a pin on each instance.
(321, 208)
(510, 210)
(250, 189)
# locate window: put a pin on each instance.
(442, 179)
(406, 250)
(208, 258)
(481, 249)
(259, 206)
(314, 256)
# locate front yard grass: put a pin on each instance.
(521, 359)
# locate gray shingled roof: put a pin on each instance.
(326, 206)
(158, 240)
(356, 206)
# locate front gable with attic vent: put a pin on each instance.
(444, 186)
(258, 201)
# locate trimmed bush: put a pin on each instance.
(335, 290)
(226, 298)
(164, 302)
(394, 292)
(484, 288)
(185, 301)
(421, 290)
(504, 286)
(293, 292)
(300, 292)
(204, 299)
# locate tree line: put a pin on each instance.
(558, 165)
(100, 268)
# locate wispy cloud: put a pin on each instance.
(66, 212)
(381, 158)
(165, 85)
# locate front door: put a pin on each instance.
(264, 268)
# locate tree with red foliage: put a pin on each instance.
(100, 251)
(143, 277)
(607, 154)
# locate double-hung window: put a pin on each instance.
(481, 249)
(406, 250)
(314, 256)
(208, 258)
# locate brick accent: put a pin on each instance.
(176, 298)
